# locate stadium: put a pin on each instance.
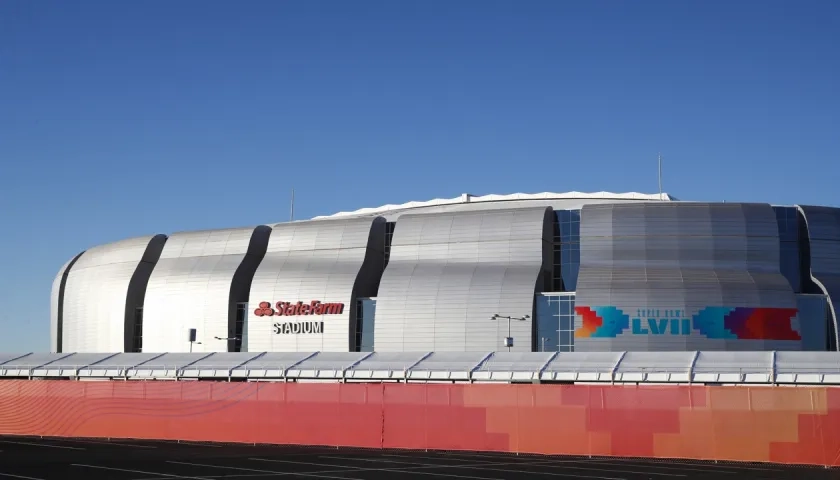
(547, 272)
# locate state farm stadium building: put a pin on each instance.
(573, 271)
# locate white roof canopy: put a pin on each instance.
(611, 367)
(468, 198)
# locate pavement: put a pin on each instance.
(35, 458)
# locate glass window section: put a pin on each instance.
(359, 321)
(569, 272)
(566, 250)
(563, 215)
(137, 340)
(789, 264)
(389, 237)
(564, 308)
(566, 324)
(555, 323)
(365, 317)
(543, 306)
(239, 326)
(565, 230)
(565, 340)
(814, 322)
(547, 308)
(787, 219)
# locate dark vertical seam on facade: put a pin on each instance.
(137, 287)
(59, 327)
(368, 278)
(244, 275)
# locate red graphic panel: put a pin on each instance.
(786, 425)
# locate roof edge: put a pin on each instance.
(468, 198)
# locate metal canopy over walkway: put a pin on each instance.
(805, 368)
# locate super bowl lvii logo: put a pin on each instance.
(731, 323)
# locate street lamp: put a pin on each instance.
(509, 339)
(191, 337)
(228, 339)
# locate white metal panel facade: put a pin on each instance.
(330, 261)
(190, 287)
(56, 302)
(705, 263)
(98, 293)
(448, 274)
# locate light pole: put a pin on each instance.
(509, 339)
(191, 337)
(228, 339)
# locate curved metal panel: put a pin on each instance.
(448, 274)
(823, 224)
(197, 282)
(57, 304)
(682, 276)
(315, 270)
(99, 291)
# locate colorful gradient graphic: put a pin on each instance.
(784, 425)
(725, 323)
(601, 322)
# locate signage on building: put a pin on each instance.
(295, 328)
(725, 323)
(290, 309)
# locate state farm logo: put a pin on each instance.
(290, 309)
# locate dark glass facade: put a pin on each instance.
(389, 235)
(365, 315)
(814, 324)
(566, 250)
(555, 323)
(137, 338)
(821, 258)
(789, 251)
(239, 327)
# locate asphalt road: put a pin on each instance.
(36, 458)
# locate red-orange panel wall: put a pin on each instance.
(778, 424)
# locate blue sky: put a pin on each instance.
(128, 118)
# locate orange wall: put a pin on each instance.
(778, 424)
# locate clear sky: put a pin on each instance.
(120, 119)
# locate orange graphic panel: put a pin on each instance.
(775, 424)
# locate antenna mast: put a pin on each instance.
(292, 208)
(660, 176)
